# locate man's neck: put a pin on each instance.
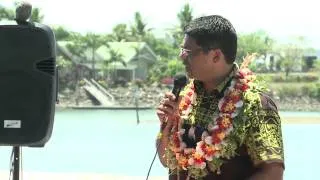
(213, 84)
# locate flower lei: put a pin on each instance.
(214, 142)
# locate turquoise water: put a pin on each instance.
(105, 141)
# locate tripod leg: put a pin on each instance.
(16, 163)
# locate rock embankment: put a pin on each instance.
(149, 96)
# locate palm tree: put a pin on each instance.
(61, 33)
(120, 33)
(93, 42)
(77, 47)
(139, 28)
(115, 57)
(185, 17)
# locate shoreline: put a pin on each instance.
(285, 119)
(62, 107)
(299, 107)
(76, 176)
(150, 97)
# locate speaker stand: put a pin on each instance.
(16, 162)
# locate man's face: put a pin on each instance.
(196, 61)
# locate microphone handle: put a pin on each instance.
(176, 92)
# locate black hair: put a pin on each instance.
(214, 32)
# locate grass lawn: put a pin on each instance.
(279, 85)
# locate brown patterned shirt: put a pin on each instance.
(263, 140)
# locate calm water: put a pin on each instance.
(104, 141)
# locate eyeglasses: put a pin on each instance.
(187, 54)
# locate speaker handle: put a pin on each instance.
(57, 85)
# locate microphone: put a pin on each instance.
(179, 82)
(23, 12)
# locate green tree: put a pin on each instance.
(92, 42)
(174, 67)
(257, 42)
(158, 71)
(77, 47)
(6, 13)
(61, 33)
(291, 54)
(168, 48)
(84, 47)
(290, 57)
(115, 57)
(165, 68)
(36, 15)
(163, 47)
(139, 29)
(120, 33)
(317, 65)
(185, 17)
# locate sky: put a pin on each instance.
(282, 19)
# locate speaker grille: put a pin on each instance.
(47, 66)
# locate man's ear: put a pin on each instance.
(216, 55)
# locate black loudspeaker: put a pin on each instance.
(28, 79)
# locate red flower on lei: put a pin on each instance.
(212, 142)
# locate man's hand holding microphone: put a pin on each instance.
(167, 112)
